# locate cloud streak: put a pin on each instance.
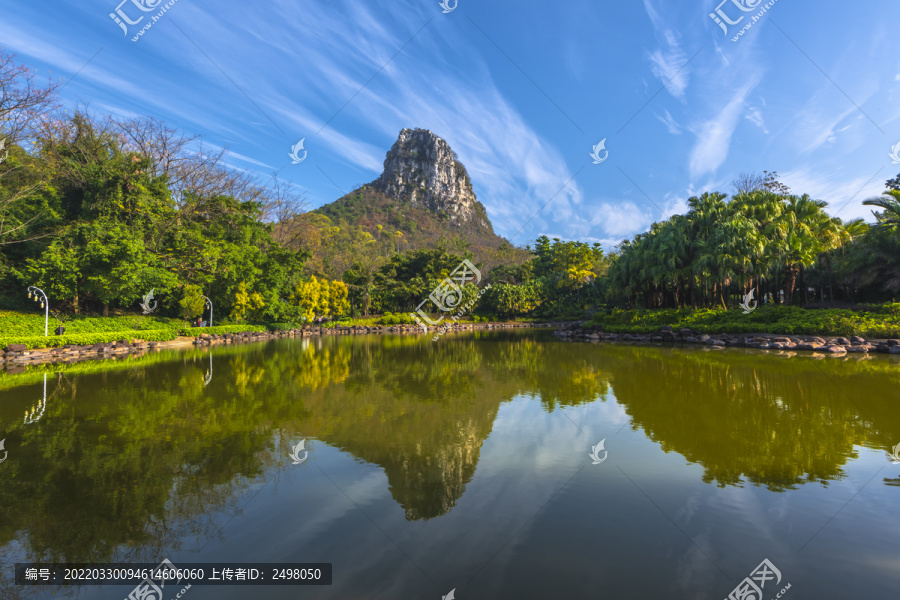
(714, 135)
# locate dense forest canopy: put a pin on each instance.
(99, 210)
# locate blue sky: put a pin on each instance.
(522, 91)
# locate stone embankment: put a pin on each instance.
(17, 356)
(763, 341)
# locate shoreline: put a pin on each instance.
(832, 345)
(16, 357)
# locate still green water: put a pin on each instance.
(462, 465)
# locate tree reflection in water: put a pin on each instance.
(131, 458)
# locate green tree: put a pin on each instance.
(56, 271)
(192, 303)
(116, 266)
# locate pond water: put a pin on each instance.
(463, 464)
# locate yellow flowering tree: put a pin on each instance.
(338, 299)
(246, 304)
(320, 298)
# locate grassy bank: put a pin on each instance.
(28, 329)
(19, 324)
(875, 322)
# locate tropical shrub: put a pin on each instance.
(396, 319)
(511, 300)
(220, 329)
(192, 303)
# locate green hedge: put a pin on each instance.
(487, 319)
(219, 330)
(84, 339)
(283, 326)
(877, 322)
(395, 319)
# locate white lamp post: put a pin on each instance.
(45, 304)
(33, 416)
(209, 306)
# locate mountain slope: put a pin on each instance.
(423, 195)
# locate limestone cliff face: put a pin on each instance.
(421, 169)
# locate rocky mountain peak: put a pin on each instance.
(420, 168)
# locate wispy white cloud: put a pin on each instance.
(675, 205)
(608, 244)
(714, 135)
(844, 194)
(514, 169)
(212, 149)
(349, 62)
(355, 152)
(668, 63)
(620, 219)
(668, 66)
(755, 116)
(815, 129)
(252, 161)
(68, 65)
(670, 123)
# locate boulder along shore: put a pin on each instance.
(763, 341)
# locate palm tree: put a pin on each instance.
(763, 210)
(890, 203)
(801, 246)
(706, 215)
(833, 234)
(759, 240)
